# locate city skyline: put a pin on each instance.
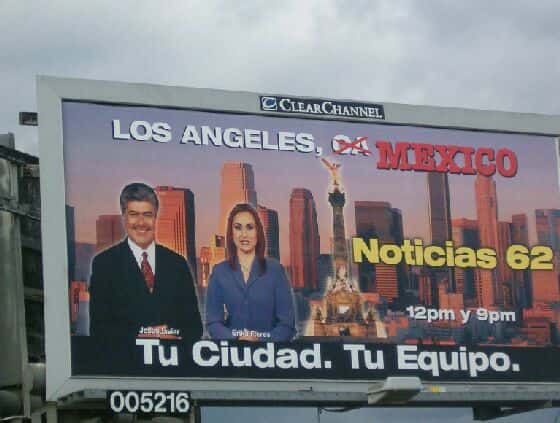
(109, 230)
(371, 221)
(277, 173)
(420, 204)
(388, 284)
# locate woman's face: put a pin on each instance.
(244, 232)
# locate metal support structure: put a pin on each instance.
(12, 309)
(22, 385)
(484, 413)
(17, 157)
(194, 415)
(447, 395)
(394, 390)
(97, 411)
(20, 210)
(51, 412)
(494, 401)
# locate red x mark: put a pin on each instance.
(354, 145)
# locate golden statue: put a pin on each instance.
(333, 169)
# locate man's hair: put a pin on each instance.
(137, 191)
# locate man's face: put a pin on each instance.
(139, 222)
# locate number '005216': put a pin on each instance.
(149, 402)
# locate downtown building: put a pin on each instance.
(209, 257)
(440, 226)
(487, 283)
(465, 234)
(109, 230)
(237, 186)
(548, 228)
(304, 240)
(439, 208)
(496, 287)
(269, 219)
(545, 283)
(521, 279)
(175, 225)
(377, 219)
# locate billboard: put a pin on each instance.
(214, 238)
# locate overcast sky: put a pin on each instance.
(487, 55)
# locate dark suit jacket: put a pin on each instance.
(120, 302)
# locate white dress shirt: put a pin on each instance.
(137, 251)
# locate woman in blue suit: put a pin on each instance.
(249, 297)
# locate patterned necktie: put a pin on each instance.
(147, 272)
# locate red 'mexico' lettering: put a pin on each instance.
(422, 157)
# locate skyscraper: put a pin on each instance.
(204, 269)
(520, 229)
(377, 219)
(487, 211)
(439, 208)
(108, 230)
(548, 227)
(521, 278)
(504, 271)
(484, 288)
(304, 239)
(425, 292)
(545, 286)
(439, 215)
(217, 250)
(465, 234)
(487, 215)
(71, 241)
(238, 186)
(450, 301)
(544, 283)
(269, 219)
(387, 281)
(175, 224)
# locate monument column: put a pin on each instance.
(337, 199)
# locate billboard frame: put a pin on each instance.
(60, 383)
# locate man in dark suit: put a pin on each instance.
(139, 288)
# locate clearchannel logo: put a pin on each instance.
(321, 107)
(269, 103)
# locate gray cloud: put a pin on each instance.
(478, 54)
(489, 55)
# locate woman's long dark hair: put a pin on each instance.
(261, 240)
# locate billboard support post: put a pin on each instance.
(194, 413)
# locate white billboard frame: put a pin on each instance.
(53, 91)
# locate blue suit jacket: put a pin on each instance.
(263, 304)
